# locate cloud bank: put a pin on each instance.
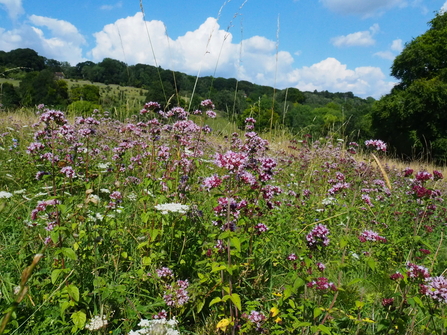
(207, 50)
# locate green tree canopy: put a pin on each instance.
(413, 116)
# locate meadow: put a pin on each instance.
(160, 224)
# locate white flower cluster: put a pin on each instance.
(156, 327)
(172, 207)
(5, 195)
(97, 322)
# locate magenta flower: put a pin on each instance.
(68, 171)
(371, 236)
(207, 103)
(211, 114)
(232, 161)
(379, 145)
(423, 176)
(318, 236)
(164, 272)
(212, 182)
(322, 284)
(437, 175)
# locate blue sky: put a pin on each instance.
(334, 45)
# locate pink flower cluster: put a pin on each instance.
(415, 271)
(318, 236)
(371, 236)
(379, 145)
(176, 295)
(436, 288)
(232, 161)
(256, 317)
(322, 284)
(41, 206)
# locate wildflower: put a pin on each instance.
(338, 187)
(160, 326)
(322, 284)
(207, 103)
(423, 176)
(96, 323)
(176, 294)
(408, 172)
(437, 175)
(317, 236)
(211, 114)
(212, 182)
(260, 227)
(329, 201)
(5, 195)
(417, 271)
(369, 235)
(116, 195)
(172, 208)
(386, 302)
(292, 257)
(164, 272)
(232, 161)
(366, 198)
(68, 171)
(321, 266)
(256, 317)
(379, 145)
(436, 288)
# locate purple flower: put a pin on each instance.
(256, 317)
(207, 103)
(68, 171)
(322, 284)
(369, 235)
(164, 272)
(436, 288)
(379, 145)
(212, 182)
(260, 227)
(423, 176)
(232, 161)
(417, 271)
(292, 257)
(318, 236)
(437, 175)
(116, 195)
(211, 114)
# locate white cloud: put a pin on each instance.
(385, 55)
(444, 7)
(13, 7)
(209, 48)
(110, 7)
(60, 29)
(63, 43)
(360, 38)
(397, 45)
(333, 76)
(362, 7)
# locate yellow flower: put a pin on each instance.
(274, 311)
(223, 324)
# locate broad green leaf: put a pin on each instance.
(236, 299)
(70, 253)
(317, 312)
(79, 318)
(55, 274)
(73, 292)
(215, 301)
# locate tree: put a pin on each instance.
(412, 117)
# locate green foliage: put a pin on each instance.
(411, 118)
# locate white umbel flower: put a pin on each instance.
(172, 207)
(5, 195)
(97, 322)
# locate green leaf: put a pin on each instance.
(79, 318)
(215, 301)
(200, 305)
(236, 299)
(371, 263)
(70, 253)
(317, 312)
(73, 292)
(55, 274)
(324, 329)
(237, 243)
